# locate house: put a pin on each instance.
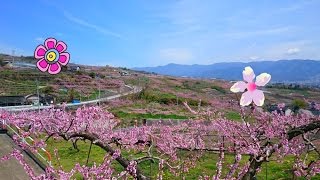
(8, 64)
(43, 99)
(48, 99)
(32, 99)
(124, 73)
(73, 68)
(12, 100)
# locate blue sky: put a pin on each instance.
(135, 33)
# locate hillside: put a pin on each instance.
(162, 95)
(297, 71)
(161, 99)
(21, 78)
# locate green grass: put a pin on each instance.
(195, 85)
(130, 119)
(232, 115)
(152, 95)
(284, 91)
(206, 165)
(125, 115)
(140, 81)
(219, 89)
(93, 95)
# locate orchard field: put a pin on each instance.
(175, 128)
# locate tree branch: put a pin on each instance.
(124, 162)
(303, 129)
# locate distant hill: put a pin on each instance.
(281, 71)
(22, 59)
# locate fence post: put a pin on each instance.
(150, 168)
(3, 124)
(234, 145)
(267, 170)
(180, 162)
(182, 170)
(197, 143)
(223, 141)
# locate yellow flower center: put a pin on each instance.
(51, 56)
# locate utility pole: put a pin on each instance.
(38, 95)
(139, 80)
(177, 100)
(13, 51)
(99, 95)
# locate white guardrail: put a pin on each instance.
(134, 89)
(30, 107)
(5, 125)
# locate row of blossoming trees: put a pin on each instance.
(259, 137)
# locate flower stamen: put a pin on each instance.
(251, 87)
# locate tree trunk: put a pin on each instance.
(124, 162)
(254, 165)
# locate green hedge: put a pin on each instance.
(167, 98)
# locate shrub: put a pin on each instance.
(167, 98)
(92, 74)
(79, 72)
(2, 63)
(298, 104)
(48, 90)
(72, 94)
(218, 88)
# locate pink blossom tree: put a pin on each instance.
(100, 128)
(259, 135)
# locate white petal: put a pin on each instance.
(258, 97)
(248, 74)
(246, 98)
(263, 79)
(239, 86)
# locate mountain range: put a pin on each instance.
(295, 71)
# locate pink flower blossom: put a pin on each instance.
(51, 56)
(317, 106)
(252, 93)
(281, 106)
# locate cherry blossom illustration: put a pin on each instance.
(252, 93)
(51, 56)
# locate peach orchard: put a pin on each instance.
(258, 136)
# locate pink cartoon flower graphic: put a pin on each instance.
(252, 93)
(52, 56)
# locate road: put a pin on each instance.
(133, 90)
(12, 169)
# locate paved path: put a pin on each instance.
(12, 169)
(133, 90)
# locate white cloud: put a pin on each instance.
(295, 6)
(87, 24)
(293, 51)
(254, 57)
(183, 31)
(59, 34)
(183, 17)
(299, 49)
(40, 39)
(302, 49)
(176, 55)
(245, 34)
